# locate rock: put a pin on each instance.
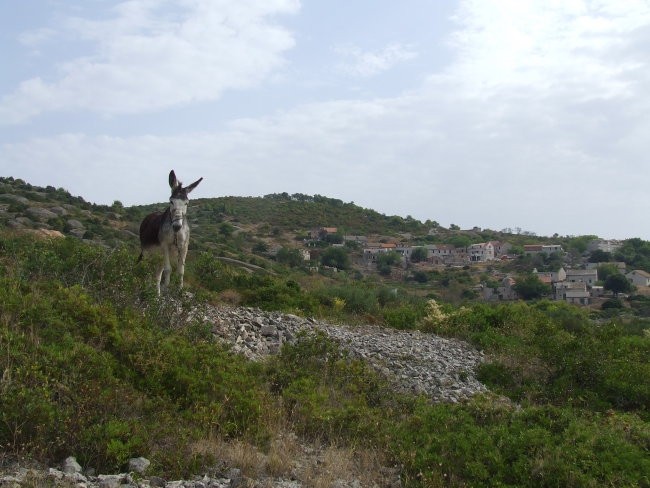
(139, 465)
(55, 474)
(110, 480)
(74, 224)
(59, 210)
(235, 477)
(442, 369)
(71, 466)
(157, 482)
(269, 331)
(15, 198)
(39, 213)
(24, 221)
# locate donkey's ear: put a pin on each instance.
(191, 187)
(173, 182)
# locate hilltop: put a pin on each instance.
(310, 238)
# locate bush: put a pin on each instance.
(329, 396)
(489, 443)
(106, 372)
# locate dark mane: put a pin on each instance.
(179, 192)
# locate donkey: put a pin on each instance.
(169, 231)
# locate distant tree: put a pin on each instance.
(290, 257)
(606, 270)
(612, 303)
(385, 261)
(336, 257)
(636, 253)
(454, 227)
(460, 241)
(419, 254)
(420, 277)
(617, 283)
(529, 287)
(579, 244)
(599, 256)
(552, 262)
(334, 238)
(226, 229)
(260, 247)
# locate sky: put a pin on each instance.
(490, 113)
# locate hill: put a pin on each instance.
(93, 364)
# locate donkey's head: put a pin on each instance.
(179, 200)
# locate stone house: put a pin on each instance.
(586, 276)
(532, 249)
(371, 252)
(500, 248)
(638, 277)
(551, 276)
(439, 252)
(481, 252)
(572, 292)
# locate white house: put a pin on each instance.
(500, 248)
(551, 276)
(439, 252)
(481, 252)
(639, 277)
(548, 249)
(586, 276)
(606, 245)
(575, 292)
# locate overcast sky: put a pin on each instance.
(503, 113)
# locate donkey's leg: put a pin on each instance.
(182, 253)
(158, 278)
(167, 267)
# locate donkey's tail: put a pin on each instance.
(140, 257)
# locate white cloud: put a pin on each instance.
(551, 46)
(153, 55)
(362, 63)
(542, 125)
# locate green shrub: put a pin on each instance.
(489, 443)
(327, 395)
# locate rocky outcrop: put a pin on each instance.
(41, 214)
(442, 369)
(71, 475)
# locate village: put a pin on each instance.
(576, 283)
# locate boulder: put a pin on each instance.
(40, 213)
(139, 465)
(71, 466)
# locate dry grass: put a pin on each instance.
(335, 465)
(315, 466)
(231, 297)
(289, 457)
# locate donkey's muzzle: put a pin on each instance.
(177, 226)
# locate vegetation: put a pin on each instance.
(93, 364)
(529, 287)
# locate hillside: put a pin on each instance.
(275, 233)
(93, 364)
